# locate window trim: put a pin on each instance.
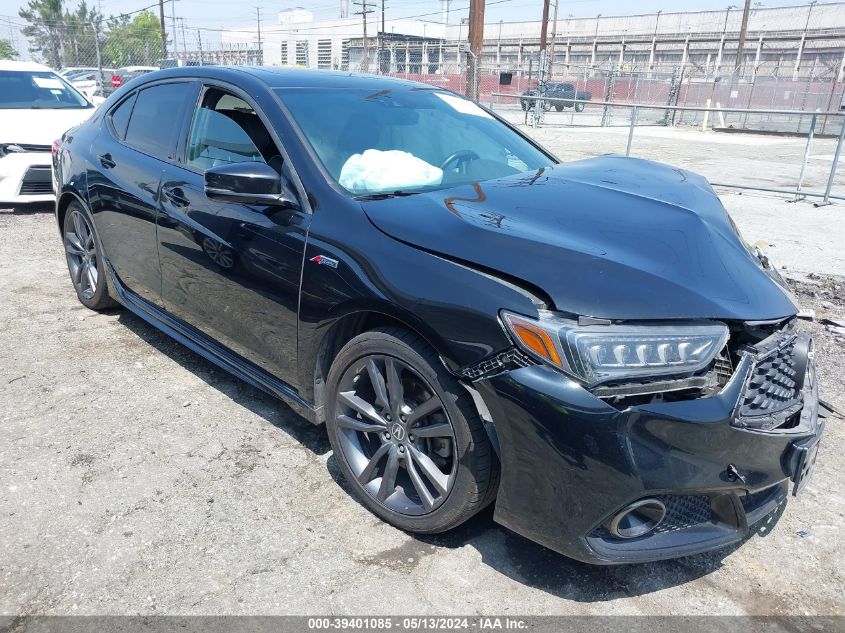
(204, 85)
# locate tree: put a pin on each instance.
(62, 37)
(45, 30)
(7, 51)
(135, 42)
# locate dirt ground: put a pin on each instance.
(135, 477)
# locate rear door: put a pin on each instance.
(232, 270)
(137, 139)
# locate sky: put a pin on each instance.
(218, 14)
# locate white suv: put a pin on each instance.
(36, 107)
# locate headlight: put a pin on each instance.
(599, 353)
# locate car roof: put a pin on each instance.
(10, 64)
(130, 69)
(290, 77)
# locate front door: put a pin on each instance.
(137, 138)
(231, 270)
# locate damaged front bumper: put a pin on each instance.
(571, 462)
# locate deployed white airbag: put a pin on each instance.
(376, 171)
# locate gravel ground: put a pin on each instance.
(135, 477)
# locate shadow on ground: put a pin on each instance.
(261, 404)
(508, 553)
(31, 209)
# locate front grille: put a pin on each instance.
(37, 181)
(772, 396)
(684, 511)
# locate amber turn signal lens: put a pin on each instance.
(535, 339)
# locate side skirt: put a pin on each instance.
(210, 349)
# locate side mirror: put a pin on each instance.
(248, 183)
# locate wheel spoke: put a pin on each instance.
(388, 479)
(433, 430)
(426, 408)
(418, 483)
(79, 227)
(361, 406)
(430, 470)
(73, 245)
(377, 380)
(366, 475)
(92, 277)
(394, 386)
(347, 422)
(77, 274)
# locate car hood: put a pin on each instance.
(39, 126)
(611, 237)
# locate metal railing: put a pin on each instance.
(533, 117)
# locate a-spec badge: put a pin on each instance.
(324, 261)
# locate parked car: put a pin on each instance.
(36, 107)
(558, 91)
(126, 74)
(173, 62)
(589, 345)
(71, 72)
(88, 83)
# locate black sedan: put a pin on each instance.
(590, 346)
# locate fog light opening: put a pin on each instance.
(638, 519)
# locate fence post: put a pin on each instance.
(830, 178)
(99, 61)
(631, 130)
(810, 134)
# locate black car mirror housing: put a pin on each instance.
(248, 183)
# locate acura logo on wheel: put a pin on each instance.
(398, 431)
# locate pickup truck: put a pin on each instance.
(558, 91)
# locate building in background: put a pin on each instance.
(799, 41)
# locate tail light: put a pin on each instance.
(54, 148)
(115, 81)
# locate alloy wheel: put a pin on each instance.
(396, 435)
(82, 258)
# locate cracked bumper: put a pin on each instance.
(570, 462)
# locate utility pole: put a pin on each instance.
(365, 60)
(260, 49)
(163, 32)
(742, 31)
(378, 68)
(541, 68)
(554, 37)
(173, 25)
(476, 44)
(199, 44)
(184, 43)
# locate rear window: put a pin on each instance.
(154, 123)
(38, 91)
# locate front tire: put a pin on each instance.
(406, 435)
(84, 259)
(579, 107)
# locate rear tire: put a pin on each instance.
(424, 474)
(83, 253)
(579, 107)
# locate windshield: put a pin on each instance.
(407, 140)
(37, 90)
